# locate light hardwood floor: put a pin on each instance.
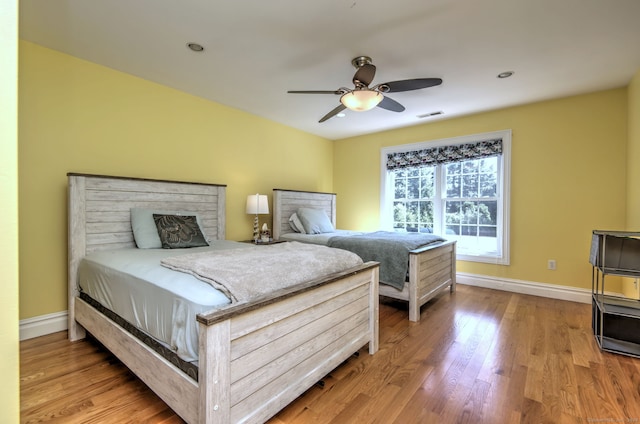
(507, 358)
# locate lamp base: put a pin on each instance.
(256, 232)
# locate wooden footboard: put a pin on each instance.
(283, 347)
(256, 358)
(431, 269)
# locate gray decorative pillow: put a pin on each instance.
(145, 232)
(315, 221)
(295, 224)
(178, 232)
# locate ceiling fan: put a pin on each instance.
(362, 97)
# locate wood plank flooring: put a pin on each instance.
(477, 356)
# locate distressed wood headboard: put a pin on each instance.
(286, 202)
(99, 215)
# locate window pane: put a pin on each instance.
(427, 171)
(400, 188)
(489, 165)
(426, 214)
(469, 230)
(453, 186)
(453, 168)
(413, 211)
(452, 214)
(470, 185)
(488, 185)
(413, 188)
(488, 211)
(488, 232)
(399, 213)
(427, 182)
(469, 213)
(470, 167)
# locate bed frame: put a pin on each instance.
(431, 268)
(254, 358)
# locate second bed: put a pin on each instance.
(431, 268)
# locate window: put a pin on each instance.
(456, 187)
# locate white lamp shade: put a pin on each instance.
(257, 204)
(361, 100)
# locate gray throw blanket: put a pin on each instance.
(247, 273)
(389, 248)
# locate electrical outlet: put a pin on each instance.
(551, 264)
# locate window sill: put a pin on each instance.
(494, 260)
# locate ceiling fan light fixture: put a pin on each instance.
(361, 100)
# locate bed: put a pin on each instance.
(324, 320)
(431, 270)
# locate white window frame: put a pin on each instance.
(504, 185)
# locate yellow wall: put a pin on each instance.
(9, 350)
(633, 171)
(568, 178)
(75, 116)
(568, 165)
(633, 156)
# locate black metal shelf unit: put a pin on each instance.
(615, 319)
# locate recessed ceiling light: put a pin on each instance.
(195, 47)
(506, 74)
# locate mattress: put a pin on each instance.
(160, 302)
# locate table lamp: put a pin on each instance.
(257, 204)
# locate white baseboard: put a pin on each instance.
(553, 291)
(43, 325)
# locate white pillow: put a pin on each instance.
(145, 232)
(315, 221)
(296, 225)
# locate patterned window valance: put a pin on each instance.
(445, 154)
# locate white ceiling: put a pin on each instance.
(256, 50)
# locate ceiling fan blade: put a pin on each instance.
(364, 75)
(390, 104)
(315, 92)
(333, 113)
(408, 85)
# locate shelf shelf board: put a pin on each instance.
(631, 273)
(617, 233)
(618, 305)
(619, 346)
